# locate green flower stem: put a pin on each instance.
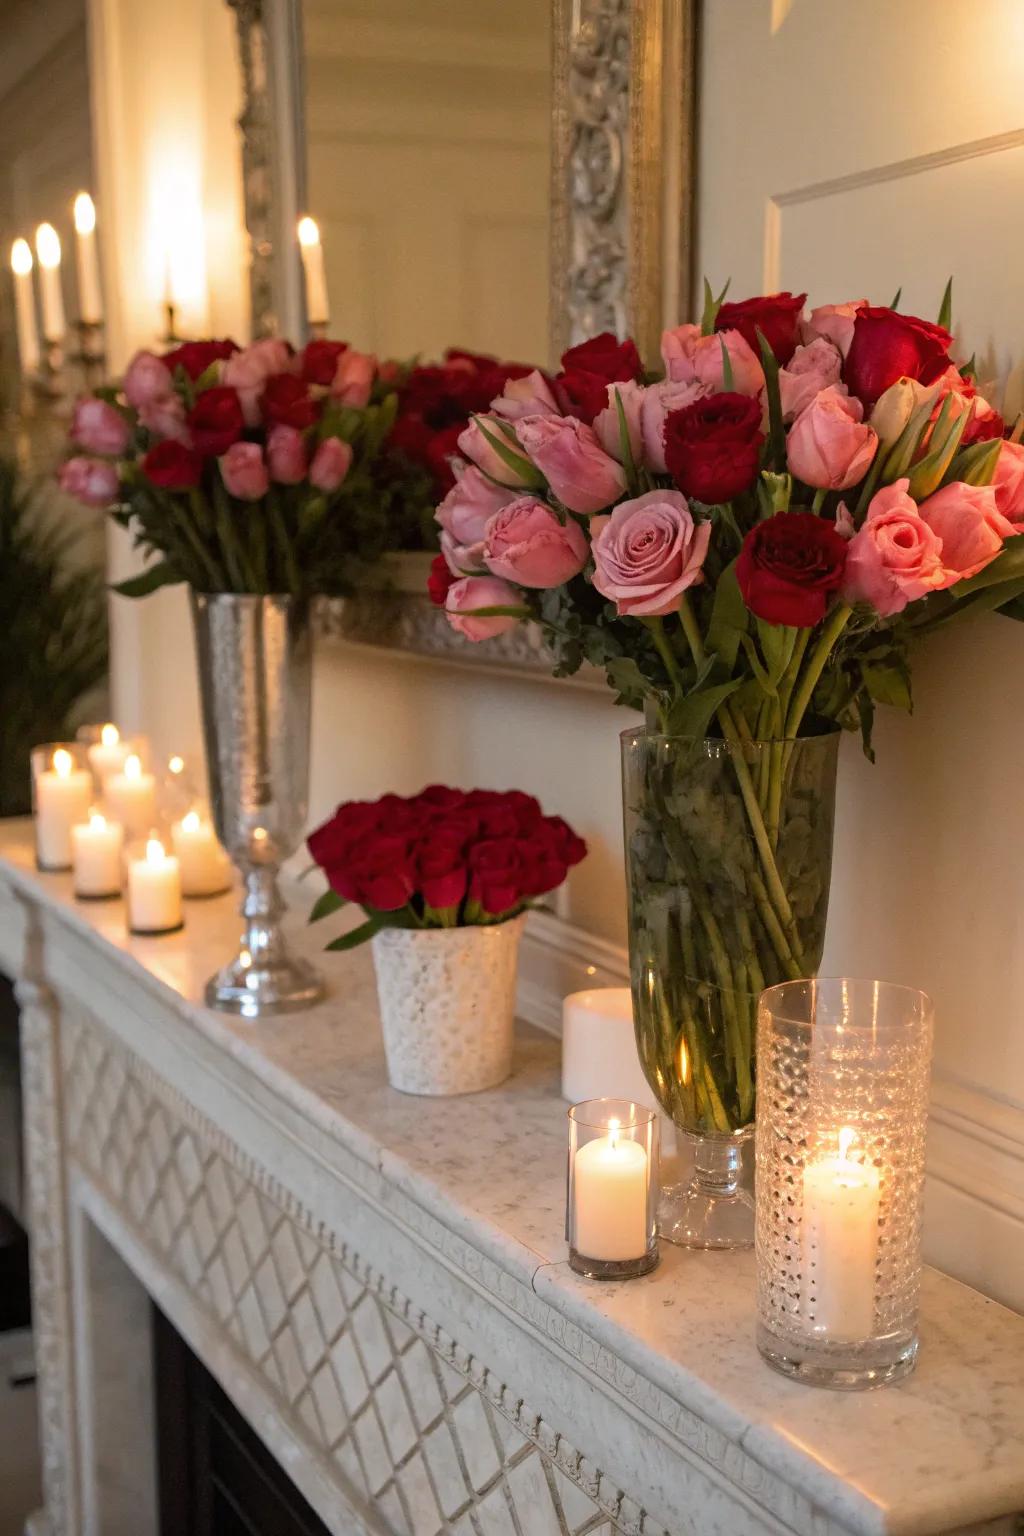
(193, 540)
(837, 622)
(819, 499)
(280, 532)
(656, 627)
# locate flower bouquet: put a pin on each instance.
(748, 542)
(444, 880)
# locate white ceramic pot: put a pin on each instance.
(447, 1005)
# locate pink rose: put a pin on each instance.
(244, 473)
(833, 321)
(659, 401)
(331, 463)
(648, 552)
(1008, 484)
(474, 444)
(464, 514)
(709, 368)
(606, 422)
(677, 347)
(165, 418)
(526, 543)
(828, 445)
(248, 371)
(354, 378)
(92, 481)
(146, 380)
(99, 427)
(530, 396)
(286, 455)
(895, 558)
(811, 369)
(463, 559)
(968, 521)
(481, 592)
(569, 455)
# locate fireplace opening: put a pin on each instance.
(216, 1478)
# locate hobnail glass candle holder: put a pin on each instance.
(612, 1189)
(842, 1107)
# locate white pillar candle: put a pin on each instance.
(25, 307)
(205, 867)
(108, 755)
(610, 1193)
(154, 890)
(840, 1244)
(96, 849)
(48, 252)
(131, 797)
(599, 1056)
(90, 298)
(317, 308)
(63, 794)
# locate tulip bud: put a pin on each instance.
(894, 408)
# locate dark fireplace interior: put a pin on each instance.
(216, 1477)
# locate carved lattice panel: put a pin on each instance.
(416, 1427)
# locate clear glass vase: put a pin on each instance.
(729, 857)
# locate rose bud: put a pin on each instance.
(166, 418)
(93, 482)
(828, 446)
(440, 580)
(789, 567)
(775, 315)
(172, 466)
(567, 452)
(99, 427)
(895, 558)
(709, 364)
(473, 592)
(589, 368)
(895, 406)
(526, 543)
(248, 371)
(469, 506)
(648, 552)
(331, 463)
(196, 356)
(509, 468)
(286, 455)
(244, 472)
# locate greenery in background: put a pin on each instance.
(54, 645)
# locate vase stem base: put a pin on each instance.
(714, 1208)
(258, 992)
(843, 1368)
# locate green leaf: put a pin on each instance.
(711, 308)
(777, 642)
(626, 447)
(888, 685)
(1007, 566)
(946, 307)
(926, 475)
(324, 905)
(526, 472)
(358, 935)
(728, 378)
(866, 716)
(969, 370)
(776, 429)
(729, 617)
(691, 716)
(975, 465)
(901, 454)
(163, 574)
(896, 298)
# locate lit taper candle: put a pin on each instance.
(48, 252)
(90, 297)
(317, 308)
(25, 306)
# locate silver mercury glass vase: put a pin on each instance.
(255, 676)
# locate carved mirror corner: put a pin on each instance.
(560, 139)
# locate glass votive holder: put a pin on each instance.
(612, 1189)
(62, 791)
(153, 883)
(106, 749)
(97, 855)
(179, 787)
(205, 867)
(842, 1109)
(130, 794)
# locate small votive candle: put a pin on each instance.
(61, 794)
(613, 1188)
(97, 847)
(106, 750)
(154, 890)
(131, 797)
(205, 867)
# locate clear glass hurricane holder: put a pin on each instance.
(612, 1189)
(842, 1107)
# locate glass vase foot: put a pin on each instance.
(257, 991)
(714, 1208)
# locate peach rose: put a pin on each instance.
(833, 321)
(1008, 484)
(648, 552)
(526, 543)
(474, 592)
(248, 371)
(896, 557)
(828, 446)
(688, 356)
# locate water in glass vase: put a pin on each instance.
(728, 856)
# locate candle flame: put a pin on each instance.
(110, 735)
(133, 766)
(155, 851)
(63, 763)
(613, 1132)
(48, 246)
(97, 820)
(21, 258)
(190, 821)
(309, 233)
(684, 1062)
(85, 214)
(847, 1136)
(176, 764)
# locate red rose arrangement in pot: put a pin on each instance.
(748, 540)
(444, 880)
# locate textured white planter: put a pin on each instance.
(447, 1005)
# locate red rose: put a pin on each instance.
(496, 874)
(440, 797)
(441, 873)
(887, 346)
(379, 875)
(775, 315)
(196, 356)
(172, 466)
(216, 421)
(286, 402)
(713, 447)
(332, 841)
(789, 567)
(319, 360)
(570, 848)
(588, 369)
(440, 451)
(439, 580)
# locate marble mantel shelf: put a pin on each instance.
(648, 1404)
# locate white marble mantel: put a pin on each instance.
(380, 1284)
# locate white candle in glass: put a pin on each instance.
(154, 890)
(63, 794)
(610, 1193)
(48, 252)
(840, 1246)
(90, 298)
(205, 868)
(25, 306)
(312, 251)
(109, 754)
(96, 849)
(131, 797)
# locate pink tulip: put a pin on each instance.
(530, 396)
(1008, 483)
(828, 446)
(248, 371)
(92, 481)
(165, 418)
(286, 455)
(354, 378)
(146, 380)
(475, 442)
(608, 427)
(833, 321)
(709, 365)
(968, 521)
(568, 454)
(811, 369)
(658, 402)
(99, 427)
(648, 552)
(331, 463)
(896, 557)
(526, 543)
(244, 472)
(481, 592)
